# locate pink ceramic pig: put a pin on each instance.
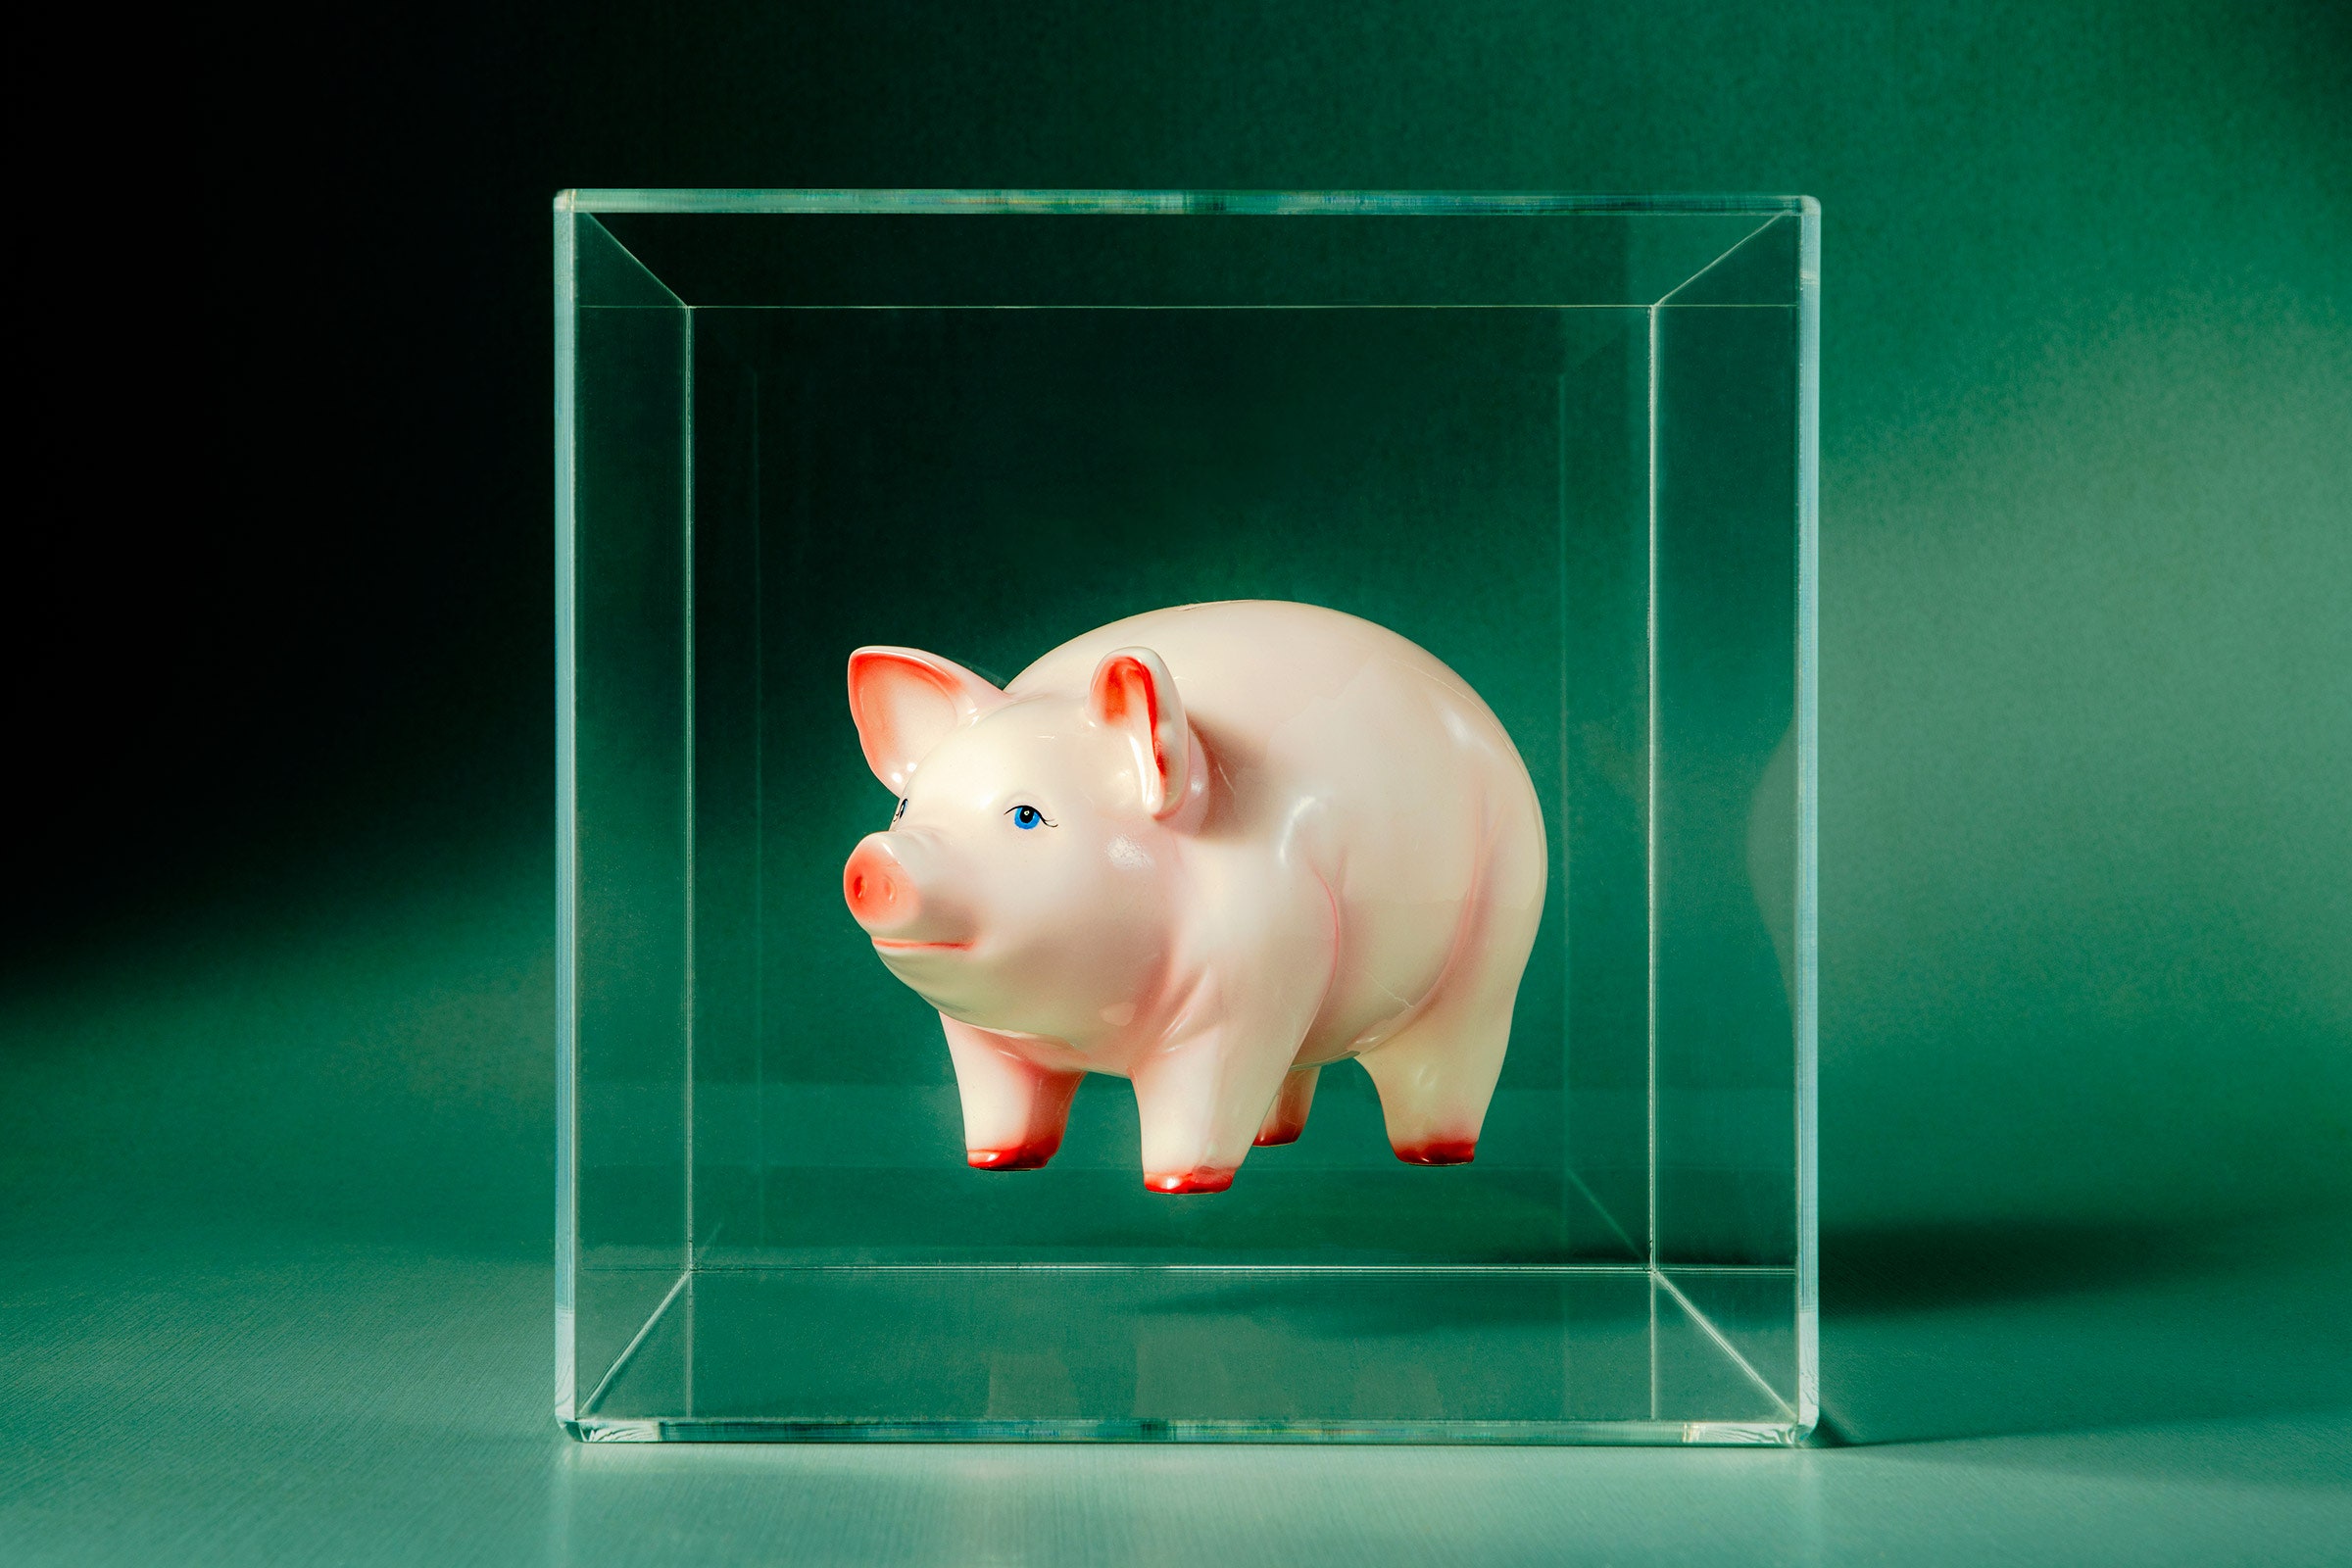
(1208, 850)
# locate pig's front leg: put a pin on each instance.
(1202, 1105)
(1014, 1110)
(1205, 1093)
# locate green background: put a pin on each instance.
(274, 1126)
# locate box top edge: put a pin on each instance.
(1146, 202)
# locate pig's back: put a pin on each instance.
(1342, 745)
(1261, 678)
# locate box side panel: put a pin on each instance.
(731, 1005)
(1806, 945)
(1601, 884)
(1589, 205)
(1759, 268)
(567, 449)
(625, 669)
(1725, 1345)
(1748, 1317)
(1724, 955)
(958, 259)
(1276, 1350)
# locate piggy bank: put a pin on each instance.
(1209, 850)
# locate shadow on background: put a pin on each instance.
(1972, 1329)
(363, 1058)
(1930, 1268)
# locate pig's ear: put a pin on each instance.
(1134, 695)
(905, 701)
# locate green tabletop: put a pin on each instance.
(260, 1395)
(272, 1289)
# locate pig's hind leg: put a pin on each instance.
(1014, 1110)
(1437, 1074)
(1288, 1117)
(1434, 1087)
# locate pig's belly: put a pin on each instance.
(1386, 789)
(1392, 960)
(1404, 879)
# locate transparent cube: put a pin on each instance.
(1564, 443)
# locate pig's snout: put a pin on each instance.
(882, 894)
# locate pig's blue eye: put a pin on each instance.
(1026, 817)
(901, 811)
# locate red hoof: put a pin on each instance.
(1438, 1152)
(1029, 1156)
(1190, 1181)
(1280, 1135)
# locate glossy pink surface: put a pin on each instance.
(1209, 850)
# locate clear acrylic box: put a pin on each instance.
(1565, 443)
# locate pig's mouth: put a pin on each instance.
(887, 945)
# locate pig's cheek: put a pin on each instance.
(1045, 909)
(1041, 906)
(999, 895)
(1128, 856)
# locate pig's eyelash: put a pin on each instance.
(901, 811)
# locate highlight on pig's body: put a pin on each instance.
(1211, 850)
